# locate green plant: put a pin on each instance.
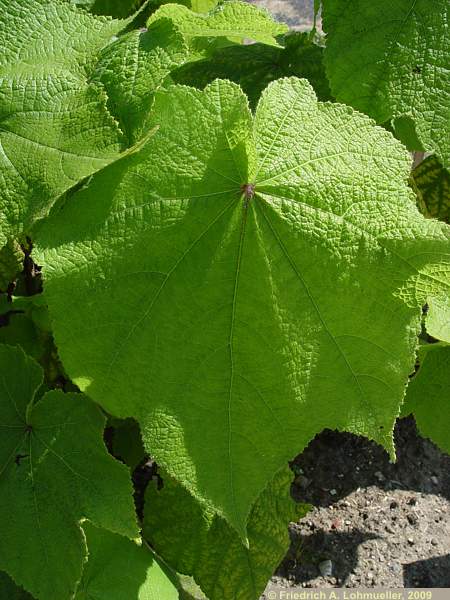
(211, 274)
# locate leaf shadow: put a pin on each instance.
(428, 573)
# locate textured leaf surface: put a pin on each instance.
(230, 20)
(428, 396)
(193, 539)
(254, 66)
(54, 470)
(131, 70)
(55, 128)
(392, 58)
(220, 320)
(432, 182)
(119, 569)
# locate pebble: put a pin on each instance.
(333, 492)
(326, 568)
(302, 481)
(379, 475)
(411, 541)
(412, 519)
(435, 480)
(434, 542)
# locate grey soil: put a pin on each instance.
(380, 524)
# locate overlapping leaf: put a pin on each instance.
(242, 283)
(55, 128)
(236, 20)
(196, 541)
(438, 317)
(54, 471)
(432, 182)
(428, 396)
(254, 66)
(391, 59)
(119, 569)
(198, 6)
(114, 8)
(131, 70)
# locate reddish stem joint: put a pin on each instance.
(248, 189)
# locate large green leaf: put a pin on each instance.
(193, 539)
(233, 322)
(55, 128)
(119, 569)
(391, 59)
(428, 396)
(54, 471)
(432, 182)
(236, 20)
(254, 66)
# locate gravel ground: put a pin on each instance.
(379, 524)
(298, 14)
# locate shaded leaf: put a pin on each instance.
(121, 569)
(254, 66)
(11, 263)
(196, 541)
(54, 470)
(10, 591)
(432, 182)
(427, 396)
(115, 8)
(127, 442)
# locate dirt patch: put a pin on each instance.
(380, 524)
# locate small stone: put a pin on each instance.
(411, 541)
(434, 480)
(379, 475)
(412, 519)
(434, 542)
(326, 568)
(302, 482)
(389, 529)
(370, 575)
(333, 492)
(348, 522)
